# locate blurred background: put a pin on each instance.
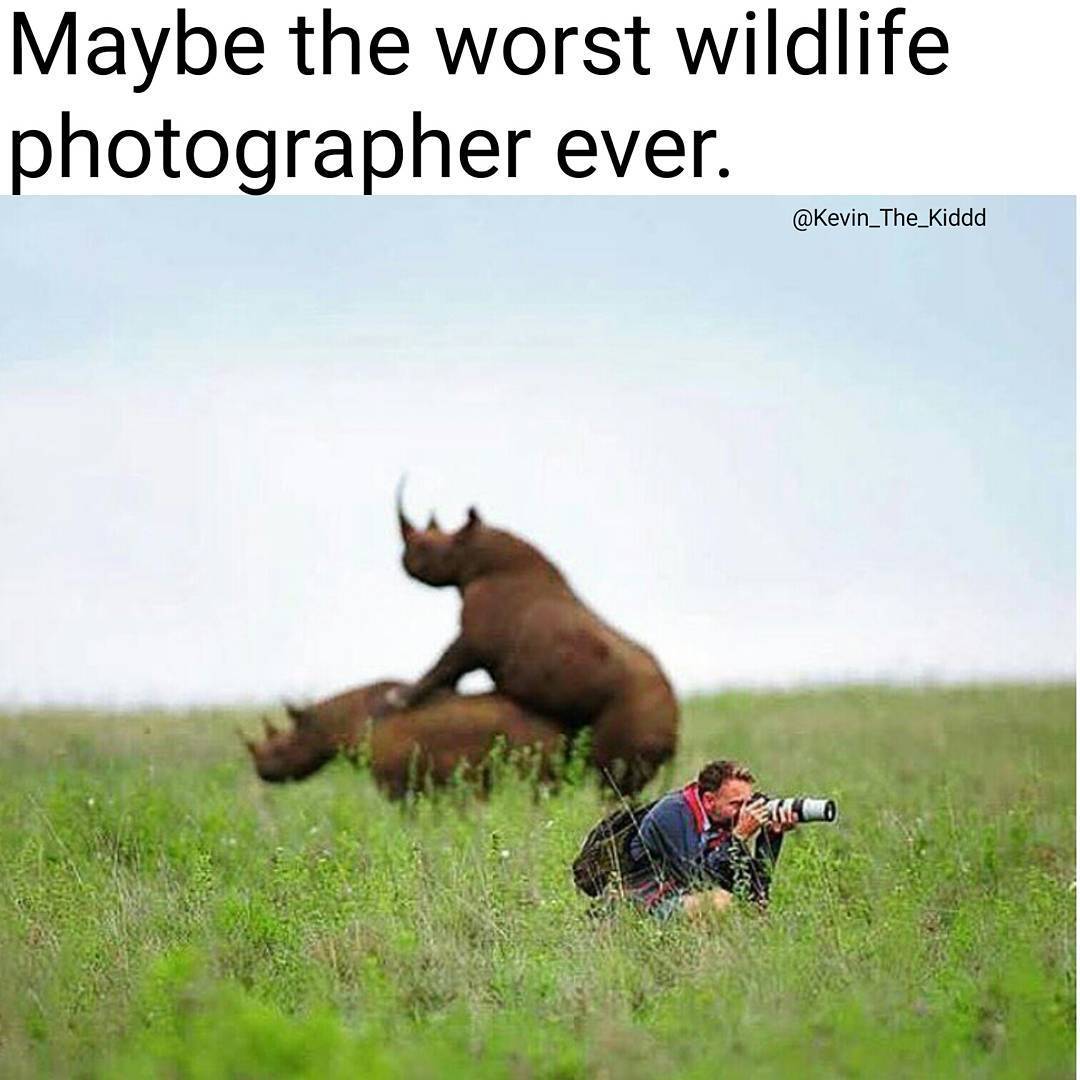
(773, 457)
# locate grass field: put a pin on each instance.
(162, 912)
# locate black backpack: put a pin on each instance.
(604, 858)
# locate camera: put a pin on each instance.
(805, 807)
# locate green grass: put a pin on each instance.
(163, 913)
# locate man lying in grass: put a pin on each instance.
(693, 849)
(697, 847)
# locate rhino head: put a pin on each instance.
(318, 733)
(293, 754)
(440, 558)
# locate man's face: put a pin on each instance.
(724, 804)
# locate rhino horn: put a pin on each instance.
(433, 522)
(406, 526)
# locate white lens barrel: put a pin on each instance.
(818, 810)
(805, 808)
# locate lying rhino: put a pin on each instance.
(407, 749)
(523, 624)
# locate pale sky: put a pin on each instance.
(772, 457)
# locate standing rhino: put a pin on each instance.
(543, 648)
(408, 749)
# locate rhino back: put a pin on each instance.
(543, 647)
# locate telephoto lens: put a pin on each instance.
(805, 807)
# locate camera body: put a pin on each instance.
(806, 808)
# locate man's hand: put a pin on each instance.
(752, 816)
(785, 821)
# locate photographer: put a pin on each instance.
(697, 847)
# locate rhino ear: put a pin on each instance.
(473, 518)
(299, 715)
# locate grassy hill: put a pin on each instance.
(162, 912)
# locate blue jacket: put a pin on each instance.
(677, 847)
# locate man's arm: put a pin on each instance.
(665, 842)
(743, 863)
(744, 868)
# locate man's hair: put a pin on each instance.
(716, 773)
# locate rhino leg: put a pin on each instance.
(632, 739)
(456, 661)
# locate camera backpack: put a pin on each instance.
(604, 858)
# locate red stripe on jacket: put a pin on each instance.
(692, 797)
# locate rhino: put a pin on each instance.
(447, 735)
(544, 649)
